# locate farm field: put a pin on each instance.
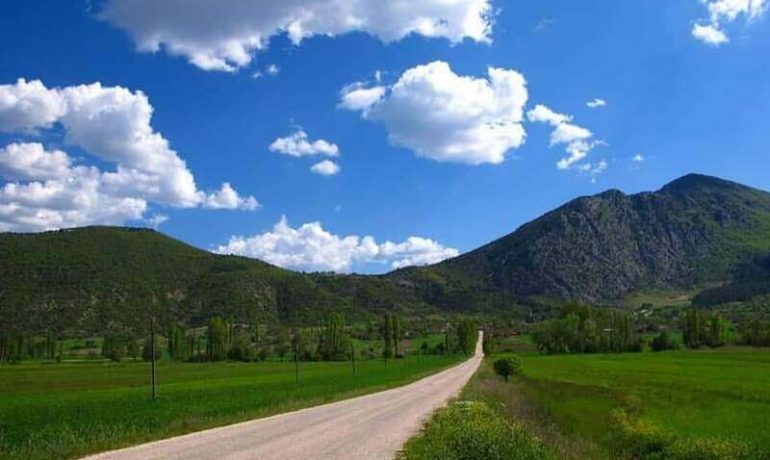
(68, 410)
(572, 401)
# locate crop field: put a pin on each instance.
(67, 410)
(716, 398)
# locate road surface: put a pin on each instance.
(374, 426)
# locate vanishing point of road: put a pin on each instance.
(374, 426)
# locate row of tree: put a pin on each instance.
(583, 329)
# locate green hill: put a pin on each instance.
(82, 279)
(695, 231)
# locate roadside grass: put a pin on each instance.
(472, 430)
(639, 405)
(69, 410)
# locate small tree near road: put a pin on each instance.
(506, 367)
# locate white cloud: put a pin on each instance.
(75, 200)
(310, 247)
(357, 97)
(593, 170)
(26, 106)
(228, 198)
(709, 34)
(448, 117)
(596, 103)
(32, 161)
(156, 220)
(638, 158)
(298, 145)
(225, 34)
(576, 139)
(723, 12)
(325, 168)
(109, 123)
(272, 69)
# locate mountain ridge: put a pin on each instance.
(596, 249)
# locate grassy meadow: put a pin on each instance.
(710, 398)
(71, 409)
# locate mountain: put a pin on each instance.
(695, 231)
(82, 279)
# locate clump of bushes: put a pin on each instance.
(636, 438)
(471, 430)
(506, 367)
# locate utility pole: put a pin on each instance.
(296, 364)
(152, 358)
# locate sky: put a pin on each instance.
(357, 135)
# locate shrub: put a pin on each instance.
(471, 430)
(506, 367)
(636, 438)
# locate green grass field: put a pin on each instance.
(717, 395)
(68, 410)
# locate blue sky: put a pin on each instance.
(680, 102)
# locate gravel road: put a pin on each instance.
(374, 426)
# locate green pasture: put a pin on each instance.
(71, 409)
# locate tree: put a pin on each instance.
(488, 344)
(396, 336)
(147, 348)
(240, 349)
(114, 346)
(466, 336)
(132, 348)
(300, 348)
(387, 336)
(177, 346)
(718, 332)
(506, 367)
(283, 343)
(663, 342)
(218, 338)
(693, 329)
(332, 343)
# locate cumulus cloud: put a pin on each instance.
(447, 117)
(228, 198)
(576, 139)
(26, 106)
(312, 248)
(638, 158)
(709, 34)
(596, 103)
(111, 124)
(298, 145)
(224, 35)
(31, 161)
(722, 12)
(357, 96)
(325, 168)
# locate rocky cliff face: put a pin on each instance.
(694, 230)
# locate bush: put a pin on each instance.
(663, 342)
(506, 367)
(471, 430)
(636, 438)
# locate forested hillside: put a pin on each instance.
(695, 231)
